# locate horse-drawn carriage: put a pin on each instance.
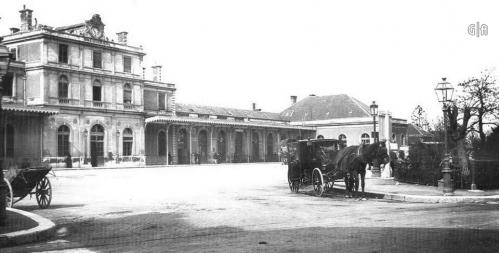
(321, 162)
(29, 181)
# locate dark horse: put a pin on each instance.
(353, 160)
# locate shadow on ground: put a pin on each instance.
(164, 232)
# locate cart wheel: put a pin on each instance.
(9, 197)
(43, 193)
(318, 182)
(294, 185)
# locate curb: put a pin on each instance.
(426, 199)
(44, 230)
(155, 166)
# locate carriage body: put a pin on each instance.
(29, 181)
(306, 156)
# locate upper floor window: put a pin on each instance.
(7, 83)
(127, 64)
(127, 94)
(13, 51)
(97, 59)
(63, 53)
(97, 91)
(63, 87)
(161, 101)
(364, 138)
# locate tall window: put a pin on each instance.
(97, 91)
(63, 86)
(127, 64)
(13, 51)
(63, 53)
(63, 141)
(7, 83)
(127, 142)
(365, 139)
(97, 59)
(127, 94)
(161, 101)
(162, 143)
(402, 138)
(343, 140)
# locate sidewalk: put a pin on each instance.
(388, 188)
(23, 227)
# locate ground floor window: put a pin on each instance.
(127, 142)
(63, 141)
(365, 139)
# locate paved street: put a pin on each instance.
(245, 208)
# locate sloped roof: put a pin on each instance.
(415, 131)
(326, 107)
(228, 112)
(27, 108)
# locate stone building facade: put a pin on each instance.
(101, 110)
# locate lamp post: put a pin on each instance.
(376, 171)
(445, 91)
(5, 57)
(374, 113)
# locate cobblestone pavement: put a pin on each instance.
(245, 208)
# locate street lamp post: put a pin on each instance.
(445, 91)
(376, 171)
(374, 113)
(5, 57)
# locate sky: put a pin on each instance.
(232, 53)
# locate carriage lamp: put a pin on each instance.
(445, 91)
(374, 113)
(5, 57)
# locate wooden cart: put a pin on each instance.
(30, 181)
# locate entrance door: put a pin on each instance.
(97, 146)
(203, 146)
(255, 147)
(238, 152)
(183, 147)
(221, 146)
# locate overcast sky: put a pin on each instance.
(232, 53)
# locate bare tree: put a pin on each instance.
(419, 118)
(481, 95)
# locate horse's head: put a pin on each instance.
(381, 153)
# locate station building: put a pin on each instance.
(87, 97)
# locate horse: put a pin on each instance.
(353, 160)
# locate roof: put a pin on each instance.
(26, 108)
(416, 131)
(326, 107)
(165, 119)
(228, 112)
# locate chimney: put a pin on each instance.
(122, 37)
(293, 100)
(156, 73)
(14, 30)
(26, 19)
(254, 106)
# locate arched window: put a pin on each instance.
(162, 143)
(63, 87)
(394, 138)
(127, 94)
(127, 142)
(97, 141)
(320, 136)
(63, 141)
(365, 139)
(97, 91)
(343, 140)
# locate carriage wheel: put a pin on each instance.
(9, 197)
(294, 185)
(318, 182)
(43, 193)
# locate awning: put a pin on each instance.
(26, 108)
(222, 122)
